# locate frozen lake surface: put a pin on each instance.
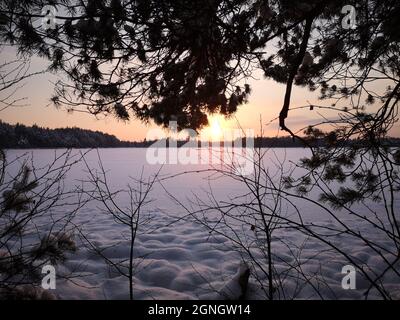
(178, 258)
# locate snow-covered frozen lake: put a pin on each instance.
(180, 259)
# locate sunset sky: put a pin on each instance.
(265, 102)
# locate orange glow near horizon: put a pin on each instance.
(265, 104)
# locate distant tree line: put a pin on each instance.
(21, 136)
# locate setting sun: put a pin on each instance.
(215, 130)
